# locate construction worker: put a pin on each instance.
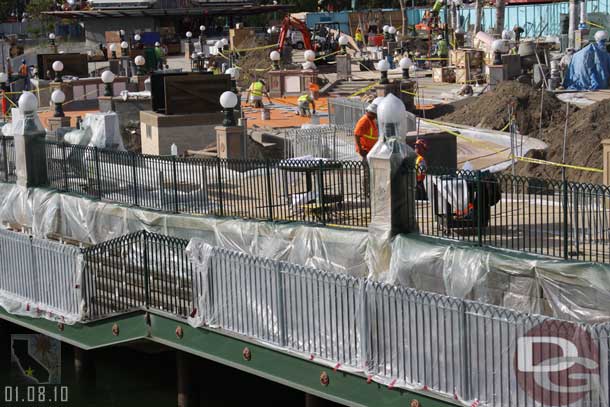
(442, 50)
(159, 54)
(359, 38)
(420, 169)
(255, 93)
(366, 131)
(303, 105)
(518, 31)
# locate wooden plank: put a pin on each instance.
(75, 64)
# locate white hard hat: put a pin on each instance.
(439, 37)
(372, 108)
(601, 35)
(157, 44)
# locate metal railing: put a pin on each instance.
(400, 335)
(40, 276)
(7, 159)
(330, 142)
(316, 191)
(554, 218)
(345, 112)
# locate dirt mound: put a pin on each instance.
(586, 129)
(490, 110)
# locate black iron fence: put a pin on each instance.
(317, 191)
(7, 159)
(549, 217)
(555, 218)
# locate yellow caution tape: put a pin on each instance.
(255, 48)
(364, 89)
(544, 162)
(408, 93)
(327, 55)
(431, 59)
(505, 127)
(595, 25)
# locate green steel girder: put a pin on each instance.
(87, 336)
(272, 364)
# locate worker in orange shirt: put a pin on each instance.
(366, 131)
(421, 168)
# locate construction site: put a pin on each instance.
(333, 205)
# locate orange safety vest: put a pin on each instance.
(366, 130)
(23, 70)
(420, 168)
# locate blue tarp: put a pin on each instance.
(589, 69)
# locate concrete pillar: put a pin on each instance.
(389, 88)
(30, 148)
(55, 123)
(187, 396)
(314, 401)
(606, 161)
(115, 66)
(344, 67)
(231, 142)
(106, 103)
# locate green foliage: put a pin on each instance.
(6, 7)
(36, 7)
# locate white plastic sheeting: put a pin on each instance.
(40, 278)
(99, 129)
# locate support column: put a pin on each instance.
(231, 142)
(187, 396)
(314, 401)
(84, 374)
(30, 148)
(344, 67)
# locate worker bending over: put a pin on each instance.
(366, 131)
(255, 93)
(303, 105)
(421, 168)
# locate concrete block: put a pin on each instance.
(55, 123)
(231, 142)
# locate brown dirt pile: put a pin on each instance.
(490, 110)
(586, 129)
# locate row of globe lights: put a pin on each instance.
(383, 66)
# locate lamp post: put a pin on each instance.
(228, 101)
(52, 39)
(189, 35)
(124, 48)
(234, 72)
(58, 67)
(140, 61)
(113, 51)
(343, 43)
(122, 35)
(383, 66)
(405, 64)
(58, 97)
(108, 78)
(275, 60)
(386, 34)
(310, 57)
(392, 33)
(498, 47)
(201, 36)
(137, 38)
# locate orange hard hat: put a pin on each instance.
(314, 87)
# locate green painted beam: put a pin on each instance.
(272, 364)
(86, 336)
(284, 368)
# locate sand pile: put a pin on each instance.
(490, 110)
(586, 129)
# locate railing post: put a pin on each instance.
(175, 180)
(281, 309)
(321, 190)
(269, 190)
(564, 188)
(479, 190)
(465, 353)
(146, 270)
(4, 159)
(97, 172)
(135, 178)
(365, 328)
(335, 143)
(219, 176)
(64, 165)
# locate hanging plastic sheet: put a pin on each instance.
(589, 69)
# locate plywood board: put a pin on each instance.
(194, 93)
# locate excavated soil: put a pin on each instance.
(586, 129)
(490, 110)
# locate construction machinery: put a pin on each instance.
(325, 36)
